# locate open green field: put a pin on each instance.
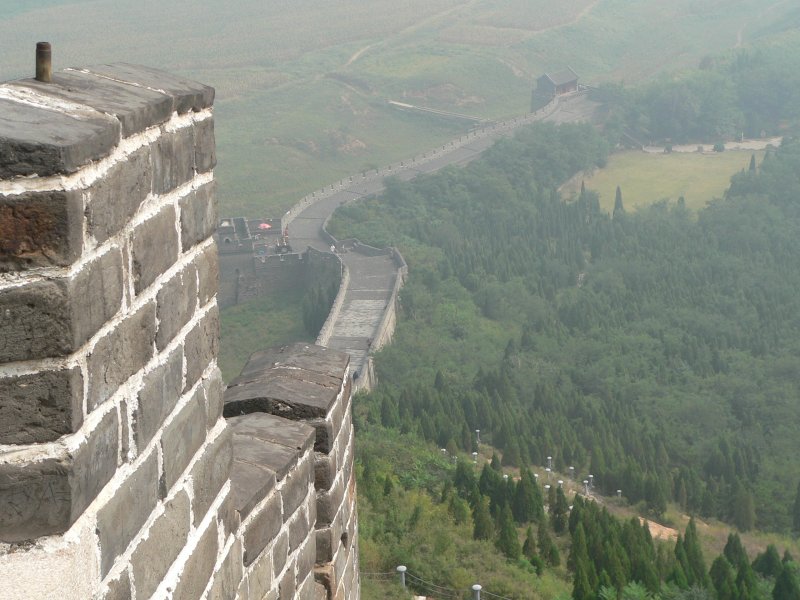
(302, 87)
(647, 178)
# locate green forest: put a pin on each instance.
(657, 351)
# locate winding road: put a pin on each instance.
(372, 278)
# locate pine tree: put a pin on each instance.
(547, 549)
(752, 168)
(527, 504)
(744, 511)
(786, 586)
(581, 586)
(619, 209)
(482, 520)
(735, 552)
(694, 554)
(507, 540)
(560, 512)
(529, 547)
(722, 579)
(796, 510)
(768, 563)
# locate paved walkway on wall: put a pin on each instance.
(372, 278)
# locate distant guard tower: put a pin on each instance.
(549, 86)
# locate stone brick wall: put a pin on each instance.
(114, 463)
(119, 476)
(311, 386)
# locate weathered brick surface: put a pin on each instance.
(299, 529)
(40, 407)
(159, 394)
(227, 578)
(136, 107)
(199, 567)
(205, 155)
(115, 198)
(120, 354)
(262, 529)
(165, 539)
(305, 588)
(201, 346)
(119, 589)
(251, 482)
(176, 302)
(304, 564)
(186, 94)
(40, 229)
(37, 141)
(45, 497)
(182, 438)
(296, 487)
(209, 473)
(260, 578)
(120, 520)
(95, 295)
(280, 552)
(208, 274)
(287, 587)
(154, 247)
(198, 215)
(173, 160)
(213, 387)
(28, 312)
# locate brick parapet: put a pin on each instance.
(114, 457)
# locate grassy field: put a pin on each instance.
(648, 178)
(302, 90)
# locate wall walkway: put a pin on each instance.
(363, 316)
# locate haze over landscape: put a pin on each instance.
(579, 318)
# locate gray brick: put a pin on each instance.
(198, 215)
(208, 274)
(166, 538)
(325, 469)
(120, 520)
(260, 579)
(227, 578)
(201, 346)
(35, 322)
(96, 295)
(229, 518)
(172, 157)
(262, 529)
(304, 563)
(40, 407)
(296, 487)
(136, 107)
(45, 497)
(199, 567)
(205, 154)
(40, 229)
(186, 94)
(176, 302)
(210, 471)
(161, 389)
(280, 552)
(299, 530)
(251, 481)
(293, 436)
(120, 354)
(306, 590)
(154, 248)
(115, 198)
(329, 502)
(287, 588)
(182, 438)
(213, 387)
(119, 589)
(37, 141)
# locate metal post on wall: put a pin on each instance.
(402, 570)
(476, 591)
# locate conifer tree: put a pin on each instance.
(768, 563)
(619, 209)
(482, 520)
(796, 510)
(527, 504)
(786, 586)
(507, 540)
(735, 552)
(694, 554)
(559, 513)
(547, 549)
(722, 579)
(752, 168)
(529, 547)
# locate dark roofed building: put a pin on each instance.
(556, 84)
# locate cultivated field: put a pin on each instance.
(647, 178)
(302, 86)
